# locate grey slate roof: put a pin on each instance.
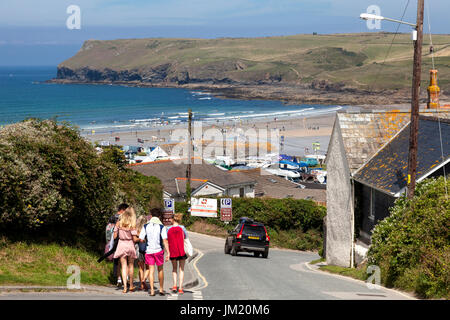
(167, 171)
(272, 186)
(388, 169)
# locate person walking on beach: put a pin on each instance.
(126, 250)
(143, 268)
(156, 241)
(176, 234)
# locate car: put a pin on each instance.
(248, 236)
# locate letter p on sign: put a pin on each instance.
(74, 20)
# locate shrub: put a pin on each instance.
(291, 223)
(54, 185)
(412, 245)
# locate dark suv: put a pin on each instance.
(248, 236)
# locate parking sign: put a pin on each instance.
(226, 211)
(169, 206)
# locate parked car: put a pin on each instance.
(248, 236)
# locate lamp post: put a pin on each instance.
(417, 67)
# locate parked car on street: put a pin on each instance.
(248, 236)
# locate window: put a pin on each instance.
(242, 192)
(372, 205)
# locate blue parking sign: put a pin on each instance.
(169, 206)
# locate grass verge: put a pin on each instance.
(356, 273)
(24, 263)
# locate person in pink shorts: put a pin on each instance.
(155, 234)
(126, 251)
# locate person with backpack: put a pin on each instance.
(111, 243)
(141, 248)
(126, 232)
(176, 234)
(154, 234)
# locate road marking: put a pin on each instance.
(197, 295)
(172, 296)
(205, 283)
(357, 281)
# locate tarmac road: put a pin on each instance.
(284, 275)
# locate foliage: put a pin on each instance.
(30, 263)
(412, 245)
(291, 223)
(54, 185)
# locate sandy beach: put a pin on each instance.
(299, 133)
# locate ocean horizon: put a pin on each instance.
(104, 108)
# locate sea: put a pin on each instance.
(107, 108)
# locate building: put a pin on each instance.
(356, 138)
(272, 186)
(383, 178)
(206, 180)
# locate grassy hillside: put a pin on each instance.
(348, 60)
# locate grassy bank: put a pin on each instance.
(24, 263)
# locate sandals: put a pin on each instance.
(174, 289)
(152, 293)
(162, 293)
(132, 289)
(124, 290)
(180, 291)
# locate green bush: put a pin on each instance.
(412, 245)
(54, 185)
(291, 223)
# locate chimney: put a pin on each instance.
(433, 91)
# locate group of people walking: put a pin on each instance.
(148, 241)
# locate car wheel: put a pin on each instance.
(233, 251)
(256, 254)
(227, 248)
(265, 253)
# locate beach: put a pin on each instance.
(299, 133)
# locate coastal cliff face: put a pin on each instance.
(304, 68)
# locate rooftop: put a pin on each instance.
(365, 132)
(277, 187)
(167, 171)
(388, 169)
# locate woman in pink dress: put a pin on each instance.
(126, 250)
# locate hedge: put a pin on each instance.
(412, 245)
(54, 185)
(291, 223)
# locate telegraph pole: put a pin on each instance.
(414, 125)
(189, 163)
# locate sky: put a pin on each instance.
(35, 32)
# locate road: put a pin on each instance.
(284, 275)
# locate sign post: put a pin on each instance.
(169, 211)
(226, 210)
(204, 207)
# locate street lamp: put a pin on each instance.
(369, 16)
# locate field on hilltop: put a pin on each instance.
(327, 63)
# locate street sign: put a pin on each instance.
(226, 211)
(169, 206)
(203, 207)
(169, 211)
